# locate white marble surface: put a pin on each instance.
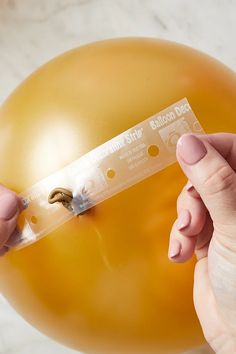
(33, 31)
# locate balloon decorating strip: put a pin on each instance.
(112, 167)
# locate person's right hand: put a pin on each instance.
(10, 207)
(207, 225)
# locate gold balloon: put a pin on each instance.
(102, 283)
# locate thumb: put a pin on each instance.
(211, 174)
(10, 206)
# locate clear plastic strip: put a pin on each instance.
(112, 167)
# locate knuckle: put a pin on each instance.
(219, 181)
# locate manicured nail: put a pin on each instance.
(174, 248)
(184, 219)
(191, 149)
(8, 206)
(189, 187)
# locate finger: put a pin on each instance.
(225, 144)
(191, 213)
(211, 175)
(3, 251)
(184, 246)
(7, 228)
(9, 211)
(191, 220)
(204, 238)
(14, 239)
(181, 248)
(190, 223)
(22, 202)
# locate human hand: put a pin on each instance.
(206, 225)
(10, 207)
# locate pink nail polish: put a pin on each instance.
(8, 206)
(191, 149)
(174, 248)
(189, 187)
(184, 219)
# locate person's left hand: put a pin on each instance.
(11, 206)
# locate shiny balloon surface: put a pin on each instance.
(102, 282)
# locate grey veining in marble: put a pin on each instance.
(34, 31)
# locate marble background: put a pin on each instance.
(34, 31)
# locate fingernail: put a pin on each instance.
(8, 206)
(191, 149)
(174, 248)
(184, 219)
(25, 203)
(189, 187)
